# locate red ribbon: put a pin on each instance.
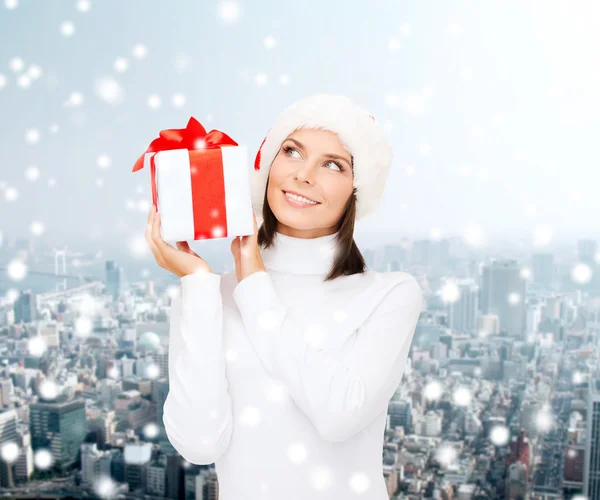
(193, 138)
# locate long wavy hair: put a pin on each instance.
(348, 259)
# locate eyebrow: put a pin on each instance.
(328, 155)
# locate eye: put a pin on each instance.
(336, 164)
(288, 149)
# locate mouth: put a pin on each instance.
(298, 203)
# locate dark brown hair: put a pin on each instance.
(348, 259)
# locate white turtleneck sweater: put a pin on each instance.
(283, 380)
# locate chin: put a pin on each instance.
(294, 219)
(303, 223)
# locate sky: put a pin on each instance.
(492, 108)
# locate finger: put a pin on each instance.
(250, 239)
(148, 235)
(163, 247)
(235, 251)
(148, 229)
(152, 240)
(253, 238)
(235, 248)
(184, 246)
(152, 211)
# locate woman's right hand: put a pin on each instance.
(182, 260)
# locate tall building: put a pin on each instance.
(520, 451)
(462, 313)
(591, 472)
(156, 476)
(401, 415)
(161, 358)
(574, 466)
(25, 307)
(60, 267)
(58, 426)
(160, 390)
(7, 390)
(208, 485)
(8, 433)
(516, 481)
(114, 278)
(175, 481)
(92, 466)
(24, 465)
(49, 331)
(137, 458)
(502, 293)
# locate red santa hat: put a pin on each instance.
(359, 133)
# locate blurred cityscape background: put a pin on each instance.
(492, 109)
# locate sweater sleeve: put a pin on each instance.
(339, 394)
(197, 412)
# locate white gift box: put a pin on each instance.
(202, 194)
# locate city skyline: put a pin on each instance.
(483, 381)
(491, 109)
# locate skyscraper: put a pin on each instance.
(591, 473)
(113, 279)
(462, 313)
(58, 426)
(25, 307)
(503, 291)
(8, 433)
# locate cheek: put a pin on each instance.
(275, 178)
(280, 175)
(335, 192)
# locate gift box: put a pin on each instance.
(200, 184)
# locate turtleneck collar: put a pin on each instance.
(300, 255)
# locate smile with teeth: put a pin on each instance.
(300, 199)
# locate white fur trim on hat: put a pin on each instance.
(358, 132)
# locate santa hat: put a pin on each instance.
(358, 132)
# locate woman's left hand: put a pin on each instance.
(246, 254)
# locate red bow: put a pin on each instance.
(192, 137)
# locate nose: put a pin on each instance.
(306, 172)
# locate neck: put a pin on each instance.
(316, 232)
(301, 256)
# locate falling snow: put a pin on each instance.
(119, 96)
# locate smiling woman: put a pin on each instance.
(282, 375)
(313, 164)
(308, 173)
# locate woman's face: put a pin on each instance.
(315, 164)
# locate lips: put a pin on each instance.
(298, 194)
